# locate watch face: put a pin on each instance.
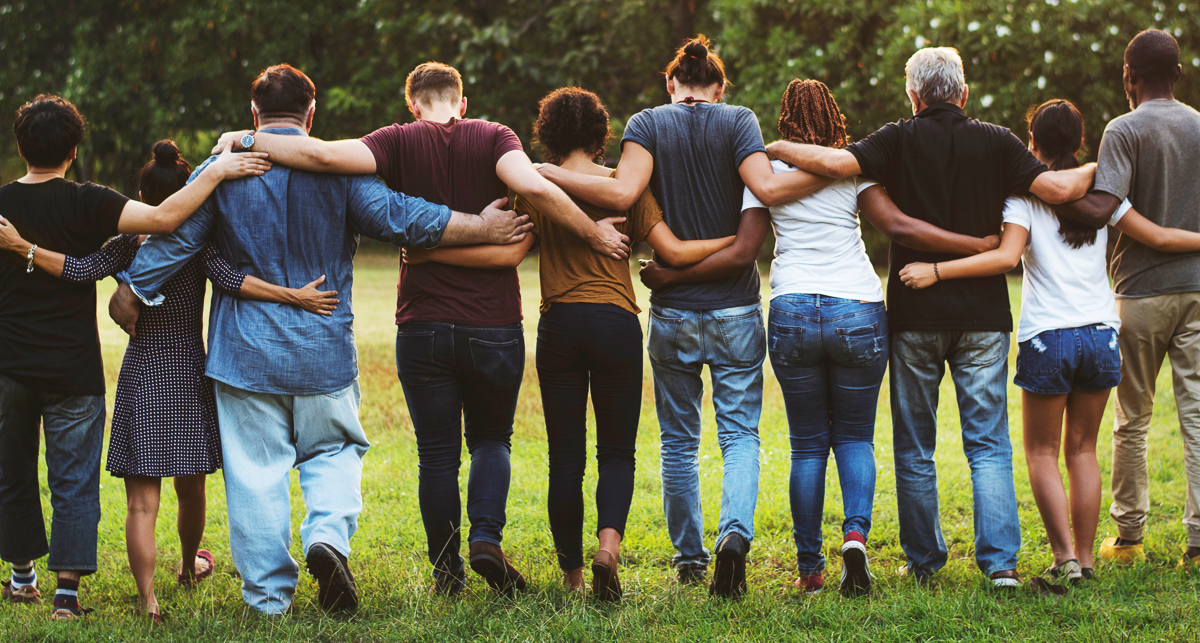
(248, 141)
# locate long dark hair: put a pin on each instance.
(165, 175)
(1057, 128)
(808, 113)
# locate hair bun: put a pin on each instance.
(166, 152)
(696, 49)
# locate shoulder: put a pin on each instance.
(1021, 210)
(645, 117)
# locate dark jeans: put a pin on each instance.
(601, 343)
(461, 380)
(74, 427)
(829, 356)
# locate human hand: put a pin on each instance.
(234, 166)
(414, 256)
(918, 275)
(608, 241)
(320, 302)
(10, 239)
(653, 275)
(124, 308)
(504, 226)
(231, 139)
(990, 242)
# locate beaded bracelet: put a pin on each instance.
(937, 276)
(29, 266)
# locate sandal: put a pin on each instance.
(183, 580)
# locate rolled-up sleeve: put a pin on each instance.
(162, 256)
(395, 218)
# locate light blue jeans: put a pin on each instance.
(731, 342)
(979, 367)
(262, 437)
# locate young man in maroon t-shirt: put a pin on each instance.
(460, 348)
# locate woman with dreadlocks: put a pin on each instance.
(828, 334)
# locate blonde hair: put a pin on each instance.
(935, 75)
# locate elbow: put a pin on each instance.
(625, 200)
(836, 170)
(1011, 263)
(745, 260)
(322, 158)
(514, 257)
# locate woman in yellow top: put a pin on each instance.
(588, 335)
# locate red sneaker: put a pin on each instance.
(811, 583)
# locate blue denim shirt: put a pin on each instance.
(287, 227)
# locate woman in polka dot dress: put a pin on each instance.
(165, 420)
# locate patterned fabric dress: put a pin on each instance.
(165, 418)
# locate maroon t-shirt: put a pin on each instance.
(451, 164)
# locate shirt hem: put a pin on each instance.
(460, 321)
(702, 306)
(1178, 290)
(268, 390)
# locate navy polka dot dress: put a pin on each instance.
(165, 418)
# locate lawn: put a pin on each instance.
(1153, 601)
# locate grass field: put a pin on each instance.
(1153, 601)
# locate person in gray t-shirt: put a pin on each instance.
(696, 155)
(1150, 156)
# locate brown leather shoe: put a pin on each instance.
(25, 594)
(1006, 579)
(488, 560)
(606, 585)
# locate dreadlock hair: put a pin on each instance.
(809, 114)
(1057, 128)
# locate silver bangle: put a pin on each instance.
(29, 256)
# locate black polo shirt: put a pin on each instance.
(954, 172)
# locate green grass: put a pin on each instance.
(1154, 601)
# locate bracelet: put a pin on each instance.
(29, 266)
(937, 276)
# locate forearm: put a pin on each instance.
(1092, 210)
(478, 256)
(993, 262)
(1063, 186)
(259, 290)
(685, 253)
(926, 237)
(558, 206)
(816, 159)
(171, 213)
(613, 193)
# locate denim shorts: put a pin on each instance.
(1056, 361)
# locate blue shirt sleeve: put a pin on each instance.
(162, 256)
(392, 217)
(640, 130)
(747, 136)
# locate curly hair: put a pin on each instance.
(809, 114)
(571, 119)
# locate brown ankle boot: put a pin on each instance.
(606, 585)
(488, 560)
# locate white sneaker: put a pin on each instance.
(856, 570)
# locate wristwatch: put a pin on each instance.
(247, 141)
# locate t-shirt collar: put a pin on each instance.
(285, 131)
(938, 108)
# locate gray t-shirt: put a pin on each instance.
(1152, 157)
(697, 150)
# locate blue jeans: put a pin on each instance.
(829, 356)
(263, 436)
(74, 428)
(461, 381)
(979, 367)
(730, 341)
(1055, 361)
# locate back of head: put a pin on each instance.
(571, 119)
(1153, 55)
(695, 66)
(48, 129)
(282, 92)
(808, 113)
(165, 175)
(433, 82)
(1056, 126)
(935, 75)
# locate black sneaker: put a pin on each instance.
(336, 589)
(691, 574)
(729, 579)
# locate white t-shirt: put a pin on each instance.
(818, 244)
(1065, 287)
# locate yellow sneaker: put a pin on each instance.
(1121, 554)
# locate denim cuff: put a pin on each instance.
(155, 300)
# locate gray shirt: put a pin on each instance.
(1152, 157)
(697, 150)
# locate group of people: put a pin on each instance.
(697, 184)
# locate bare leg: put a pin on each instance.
(142, 497)
(610, 541)
(192, 507)
(1043, 422)
(1085, 409)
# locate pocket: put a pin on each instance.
(916, 348)
(862, 345)
(414, 356)
(74, 407)
(498, 365)
(1107, 349)
(983, 349)
(1041, 355)
(744, 338)
(786, 345)
(660, 344)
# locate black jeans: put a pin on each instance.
(601, 343)
(454, 376)
(74, 428)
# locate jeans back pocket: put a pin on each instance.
(862, 345)
(1040, 355)
(1107, 349)
(415, 363)
(498, 365)
(786, 345)
(661, 342)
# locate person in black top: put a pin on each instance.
(954, 172)
(50, 369)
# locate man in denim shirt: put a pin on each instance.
(286, 380)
